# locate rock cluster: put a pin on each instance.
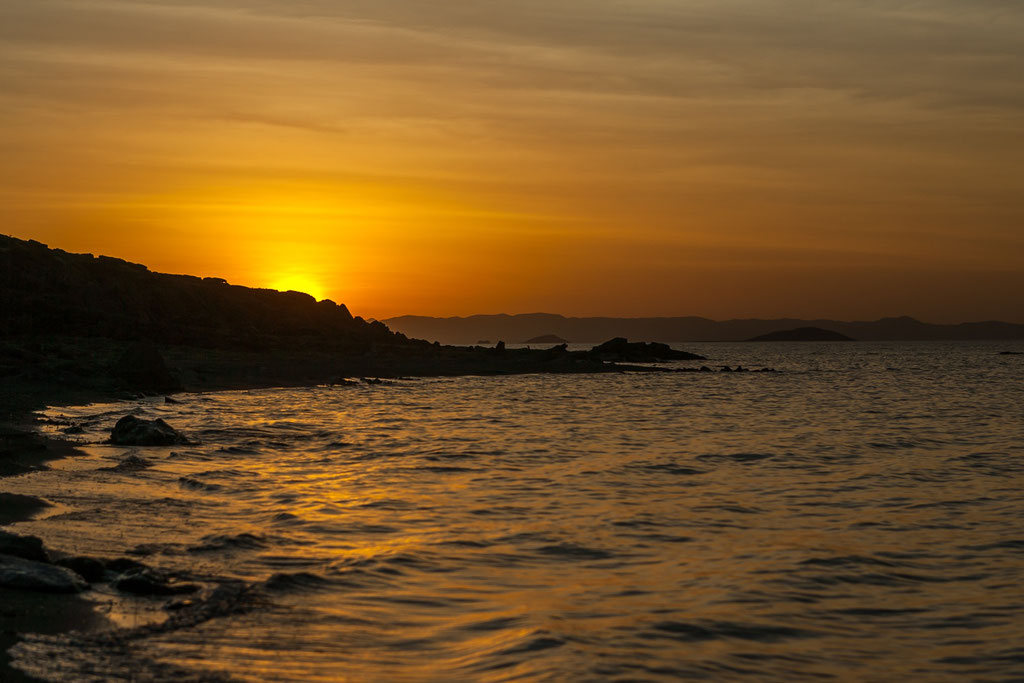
(25, 564)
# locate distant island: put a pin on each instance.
(465, 330)
(547, 339)
(801, 334)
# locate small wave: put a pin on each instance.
(735, 457)
(238, 450)
(849, 561)
(721, 630)
(196, 485)
(673, 469)
(574, 552)
(738, 509)
(443, 469)
(296, 582)
(535, 645)
(218, 542)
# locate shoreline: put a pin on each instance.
(65, 371)
(24, 449)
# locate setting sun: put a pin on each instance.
(298, 282)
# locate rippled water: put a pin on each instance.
(856, 515)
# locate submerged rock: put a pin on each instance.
(89, 568)
(130, 463)
(134, 431)
(121, 565)
(25, 547)
(16, 572)
(145, 581)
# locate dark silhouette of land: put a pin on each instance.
(801, 334)
(682, 329)
(547, 339)
(77, 327)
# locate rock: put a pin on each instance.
(622, 350)
(556, 351)
(121, 565)
(130, 463)
(15, 507)
(171, 401)
(142, 368)
(89, 568)
(144, 581)
(25, 547)
(134, 431)
(1011, 353)
(16, 572)
(500, 346)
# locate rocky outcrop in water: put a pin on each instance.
(621, 350)
(134, 431)
(146, 581)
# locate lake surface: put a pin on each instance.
(858, 515)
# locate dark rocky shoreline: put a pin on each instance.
(57, 370)
(80, 329)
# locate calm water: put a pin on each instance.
(858, 515)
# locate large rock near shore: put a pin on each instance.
(134, 431)
(16, 572)
(25, 547)
(623, 351)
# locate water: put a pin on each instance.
(857, 515)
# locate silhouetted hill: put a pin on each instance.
(801, 334)
(50, 291)
(681, 329)
(74, 327)
(546, 339)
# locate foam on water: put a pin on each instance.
(856, 515)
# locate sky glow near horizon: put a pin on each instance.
(727, 158)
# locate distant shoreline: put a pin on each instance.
(683, 329)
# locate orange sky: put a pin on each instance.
(724, 158)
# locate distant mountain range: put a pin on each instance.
(514, 329)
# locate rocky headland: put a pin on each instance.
(78, 329)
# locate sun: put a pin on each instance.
(298, 282)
